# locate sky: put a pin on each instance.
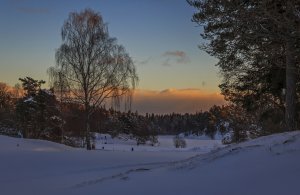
(174, 74)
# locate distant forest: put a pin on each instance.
(32, 112)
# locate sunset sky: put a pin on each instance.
(175, 76)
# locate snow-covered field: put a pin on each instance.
(268, 165)
(200, 144)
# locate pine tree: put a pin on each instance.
(257, 44)
(37, 111)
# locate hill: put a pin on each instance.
(267, 165)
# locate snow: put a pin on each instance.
(30, 100)
(57, 119)
(165, 143)
(48, 92)
(267, 165)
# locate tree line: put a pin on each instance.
(37, 113)
(34, 112)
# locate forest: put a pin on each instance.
(40, 115)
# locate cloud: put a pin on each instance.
(180, 57)
(33, 10)
(166, 62)
(181, 54)
(26, 7)
(175, 100)
(144, 62)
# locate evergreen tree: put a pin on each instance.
(257, 44)
(37, 111)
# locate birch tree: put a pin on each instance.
(91, 65)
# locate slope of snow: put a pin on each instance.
(10, 144)
(267, 165)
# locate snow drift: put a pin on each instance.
(267, 165)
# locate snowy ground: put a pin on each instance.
(268, 165)
(199, 144)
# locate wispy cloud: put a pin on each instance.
(33, 10)
(175, 100)
(144, 62)
(166, 62)
(180, 57)
(26, 7)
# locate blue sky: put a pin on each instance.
(158, 34)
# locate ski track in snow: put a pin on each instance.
(187, 164)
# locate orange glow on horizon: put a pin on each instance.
(175, 100)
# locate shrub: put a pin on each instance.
(179, 142)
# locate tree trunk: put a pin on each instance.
(62, 134)
(290, 98)
(88, 136)
(24, 131)
(87, 127)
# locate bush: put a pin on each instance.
(153, 140)
(179, 142)
(228, 138)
